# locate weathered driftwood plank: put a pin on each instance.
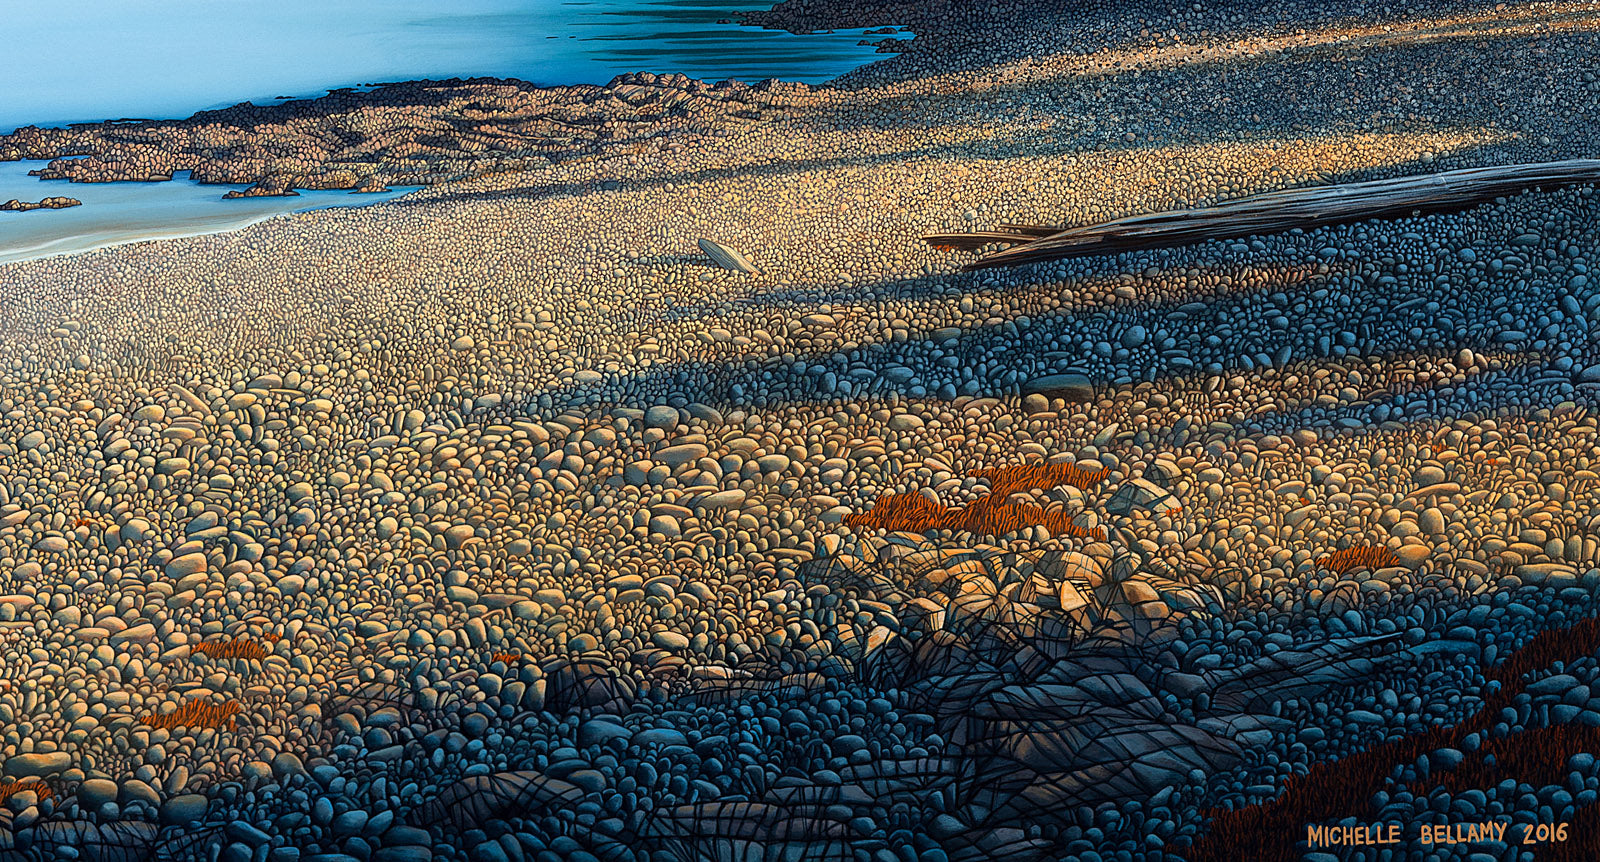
(1273, 212)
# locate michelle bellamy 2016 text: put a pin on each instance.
(1374, 834)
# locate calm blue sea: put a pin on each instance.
(88, 60)
(116, 213)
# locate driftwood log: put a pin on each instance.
(1273, 212)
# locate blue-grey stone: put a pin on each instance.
(1556, 684)
(38, 765)
(387, 754)
(661, 736)
(1444, 758)
(404, 853)
(405, 835)
(350, 822)
(95, 792)
(183, 809)
(239, 830)
(285, 765)
(600, 731)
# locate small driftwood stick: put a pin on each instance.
(1012, 233)
(1273, 212)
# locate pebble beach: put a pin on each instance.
(497, 522)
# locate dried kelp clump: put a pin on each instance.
(994, 514)
(241, 648)
(197, 714)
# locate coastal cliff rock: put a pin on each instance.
(415, 133)
(52, 203)
(260, 191)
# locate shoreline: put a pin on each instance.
(148, 212)
(66, 247)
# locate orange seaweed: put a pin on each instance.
(1359, 557)
(9, 789)
(992, 514)
(232, 649)
(196, 714)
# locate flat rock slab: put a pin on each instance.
(39, 765)
(1072, 386)
(726, 257)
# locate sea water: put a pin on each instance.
(115, 213)
(92, 60)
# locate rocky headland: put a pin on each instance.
(416, 133)
(52, 203)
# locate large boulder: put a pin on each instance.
(473, 801)
(757, 830)
(1138, 494)
(1072, 386)
(586, 683)
(118, 841)
(38, 764)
